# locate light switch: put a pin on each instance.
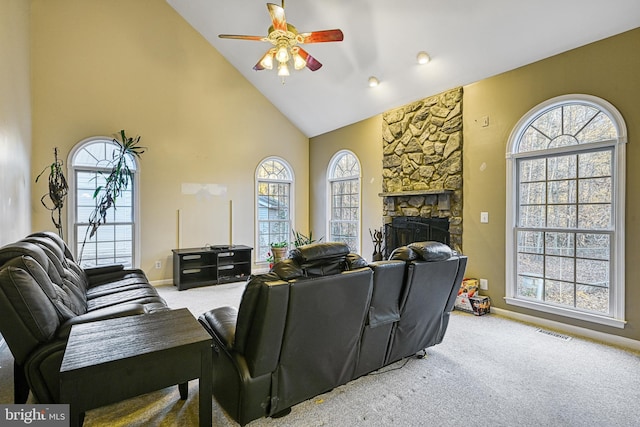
(484, 217)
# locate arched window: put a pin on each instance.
(115, 242)
(565, 210)
(344, 199)
(274, 201)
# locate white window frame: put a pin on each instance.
(330, 180)
(258, 180)
(617, 284)
(71, 210)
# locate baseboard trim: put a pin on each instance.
(161, 282)
(609, 339)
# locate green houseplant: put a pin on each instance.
(279, 250)
(58, 190)
(115, 183)
(300, 239)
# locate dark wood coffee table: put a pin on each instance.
(112, 360)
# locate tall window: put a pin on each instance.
(565, 248)
(344, 200)
(115, 241)
(273, 200)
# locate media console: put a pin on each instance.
(211, 265)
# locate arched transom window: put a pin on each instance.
(565, 239)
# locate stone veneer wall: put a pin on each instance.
(422, 160)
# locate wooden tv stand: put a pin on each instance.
(194, 267)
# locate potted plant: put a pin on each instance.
(279, 250)
(270, 260)
(300, 239)
(58, 189)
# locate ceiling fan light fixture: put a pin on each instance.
(298, 62)
(373, 81)
(423, 57)
(282, 55)
(283, 69)
(267, 61)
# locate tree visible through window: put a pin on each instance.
(565, 229)
(344, 187)
(114, 242)
(274, 181)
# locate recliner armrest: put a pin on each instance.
(112, 312)
(221, 323)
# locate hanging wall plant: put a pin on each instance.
(58, 190)
(115, 183)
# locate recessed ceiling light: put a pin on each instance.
(422, 57)
(373, 81)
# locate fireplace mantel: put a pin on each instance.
(444, 196)
(414, 193)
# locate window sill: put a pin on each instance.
(573, 314)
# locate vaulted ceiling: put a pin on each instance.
(468, 40)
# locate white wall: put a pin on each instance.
(15, 121)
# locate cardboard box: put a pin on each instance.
(469, 300)
(477, 304)
(480, 305)
(468, 289)
(463, 303)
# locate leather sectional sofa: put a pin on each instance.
(43, 292)
(324, 317)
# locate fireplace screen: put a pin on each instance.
(408, 229)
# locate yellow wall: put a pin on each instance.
(607, 69)
(15, 121)
(101, 66)
(364, 140)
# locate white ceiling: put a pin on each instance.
(468, 40)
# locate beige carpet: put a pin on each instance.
(488, 371)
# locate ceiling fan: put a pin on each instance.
(285, 39)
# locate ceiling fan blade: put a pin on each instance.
(241, 37)
(312, 63)
(321, 36)
(277, 17)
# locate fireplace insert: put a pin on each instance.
(408, 229)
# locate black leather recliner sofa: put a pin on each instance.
(324, 317)
(43, 292)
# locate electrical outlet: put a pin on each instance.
(158, 265)
(484, 284)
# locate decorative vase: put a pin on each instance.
(279, 253)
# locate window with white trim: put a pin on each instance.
(565, 216)
(274, 179)
(344, 199)
(90, 162)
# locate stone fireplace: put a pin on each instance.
(403, 230)
(422, 170)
